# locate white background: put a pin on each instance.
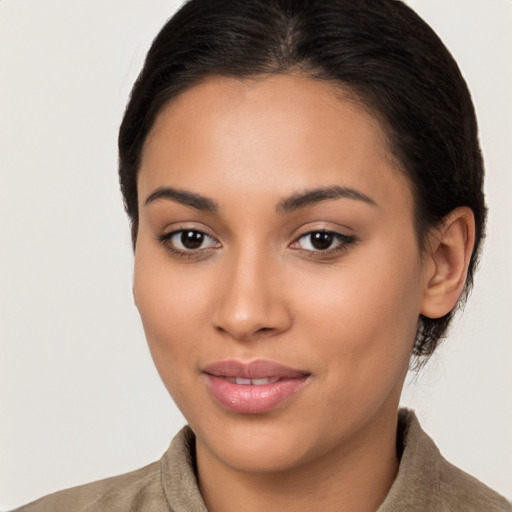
(79, 397)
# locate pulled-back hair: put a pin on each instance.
(379, 50)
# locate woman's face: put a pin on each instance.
(277, 271)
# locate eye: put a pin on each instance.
(188, 240)
(322, 241)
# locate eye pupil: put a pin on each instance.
(321, 240)
(192, 239)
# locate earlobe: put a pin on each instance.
(450, 246)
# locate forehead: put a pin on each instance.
(278, 132)
(266, 99)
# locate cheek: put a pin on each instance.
(172, 306)
(361, 331)
(364, 315)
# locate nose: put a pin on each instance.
(251, 303)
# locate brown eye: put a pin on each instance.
(191, 239)
(323, 241)
(188, 240)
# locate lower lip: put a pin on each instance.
(250, 399)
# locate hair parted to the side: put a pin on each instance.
(379, 50)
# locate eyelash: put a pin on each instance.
(166, 240)
(344, 242)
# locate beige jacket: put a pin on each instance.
(425, 482)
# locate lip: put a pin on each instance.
(252, 398)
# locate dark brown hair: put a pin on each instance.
(378, 49)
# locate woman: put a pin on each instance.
(304, 184)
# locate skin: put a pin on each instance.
(258, 289)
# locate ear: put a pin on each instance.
(449, 250)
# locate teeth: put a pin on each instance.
(253, 382)
(260, 382)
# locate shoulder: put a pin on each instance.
(427, 480)
(467, 492)
(142, 488)
(169, 484)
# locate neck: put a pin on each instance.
(356, 478)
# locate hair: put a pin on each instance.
(379, 50)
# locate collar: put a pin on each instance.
(416, 486)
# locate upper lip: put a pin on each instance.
(258, 369)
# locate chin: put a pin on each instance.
(257, 443)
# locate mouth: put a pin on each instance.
(241, 381)
(252, 388)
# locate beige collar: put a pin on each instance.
(425, 480)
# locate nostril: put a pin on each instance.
(245, 334)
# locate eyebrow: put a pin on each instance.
(290, 204)
(192, 199)
(313, 196)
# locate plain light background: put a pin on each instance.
(79, 397)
